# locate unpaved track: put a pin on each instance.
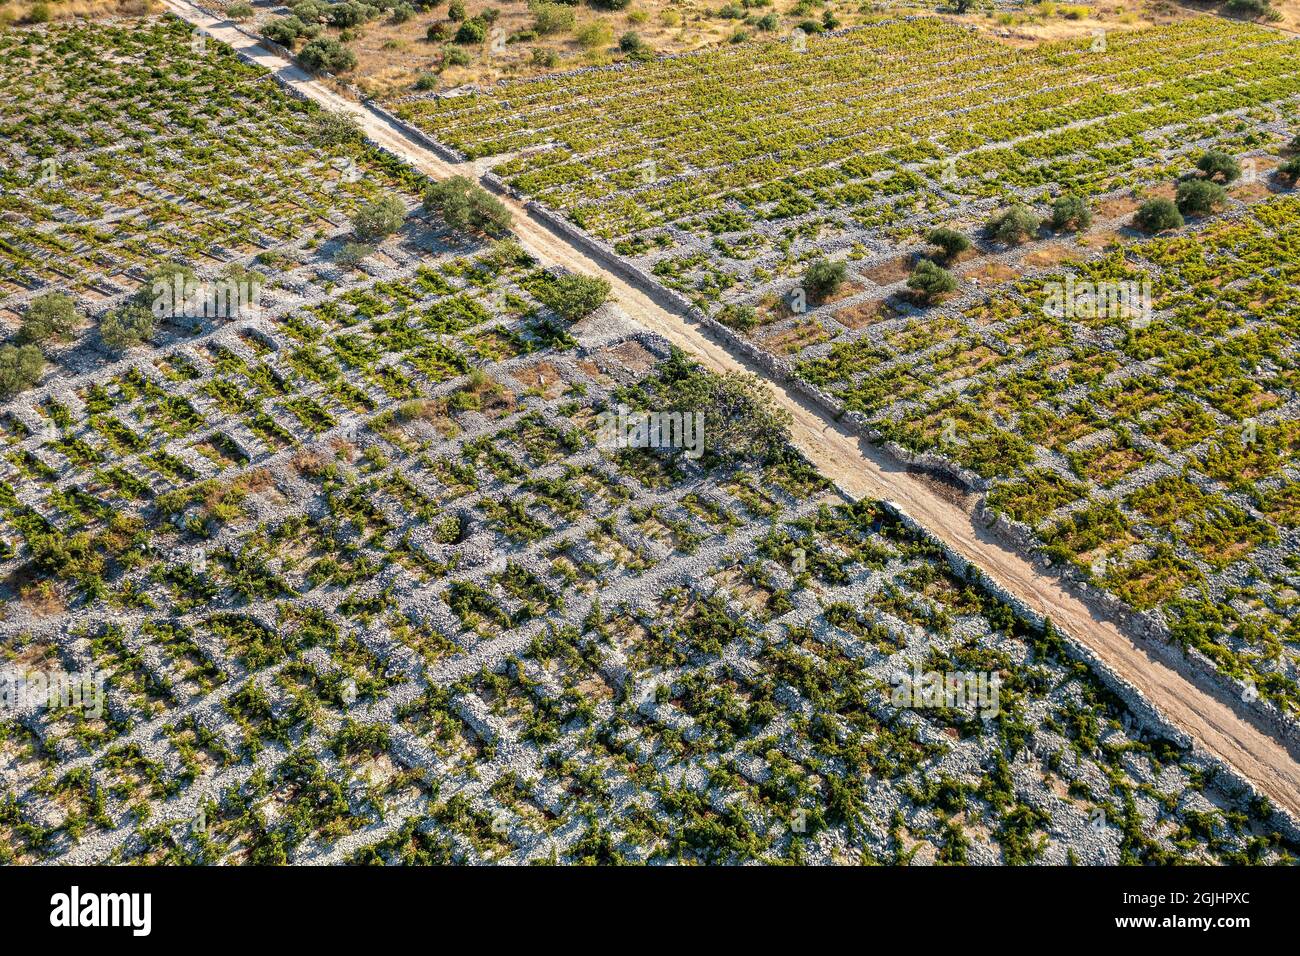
(859, 468)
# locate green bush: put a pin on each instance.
(1198, 197)
(1013, 226)
(742, 423)
(437, 32)
(466, 206)
(929, 281)
(472, 32)
(574, 296)
(1071, 212)
(456, 10)
(551, 18)
(952, 242)
(1249, 8)
(1289, 171)
(379, 219)
(593, 34)
(126, 327)
(49, 316)
(742, 318)
(324, 53)
(239, 11)
(352, 254)
(1219, 166)
(1157, 215)
(283, 30)
(20, 368)
(310, 11)
(455, 56)
(334, 128)
(349, 13)
(611, 4)
(823, 279)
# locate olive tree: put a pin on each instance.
(49, 316)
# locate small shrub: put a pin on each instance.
(1157, 215)
(1071, 212)
(824, 278)
(950, 241)
(594, 33)
(239, 12)
(464, 205)
(283, 30)
(352, 254)
(929, 281)
(49, 316)
(1013, 226)
(551, 18)
(455, 56)
(20, 368)
(1289, 171)
(324, 53)
(1198, 197)
(349, 13)
(742, 318)
(574, 296)
(126, 327)
(380, 219)
(1219, 166)
(472, 32)
(1249, 8)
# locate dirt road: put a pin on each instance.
(859, 468)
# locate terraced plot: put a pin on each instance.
(130, 147)
(362, 581)
(1157, 454)
(458, 630)
(723, 174)
(1152, 460)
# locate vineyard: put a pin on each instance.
(724, 174)
(129, 148)
(361, 582)
(456, 630)
(1151, 458)
(358, 577)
